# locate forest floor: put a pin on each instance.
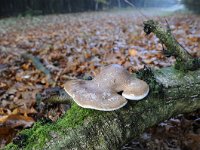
(78, 45)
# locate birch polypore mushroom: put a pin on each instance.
(136, 90)
(101, 93)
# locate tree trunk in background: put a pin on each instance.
(119, 3)
(69, 6)
(96, 5)
(193, 5)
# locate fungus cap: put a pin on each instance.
(136, 90)
(88, 95)
(101, 93)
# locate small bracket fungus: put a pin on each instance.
(101, 93)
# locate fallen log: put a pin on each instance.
(172, 92)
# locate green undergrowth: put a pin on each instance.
(39, 134)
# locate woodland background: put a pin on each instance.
(41, 7)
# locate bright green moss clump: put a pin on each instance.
(39, 134)
(75, 116)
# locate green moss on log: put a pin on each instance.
(89, 129)
(40, 133)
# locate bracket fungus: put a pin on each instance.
(101, 93)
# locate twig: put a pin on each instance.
(38, 65)
(50, 66)
(184, 61)
(131, 4)
(57, 77)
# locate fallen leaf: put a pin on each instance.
(132, 52)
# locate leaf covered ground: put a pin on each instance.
(78, 45)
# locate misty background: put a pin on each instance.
(42, 7)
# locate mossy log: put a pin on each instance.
(184, 61)
(172, 92)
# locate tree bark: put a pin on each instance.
(172, 92)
